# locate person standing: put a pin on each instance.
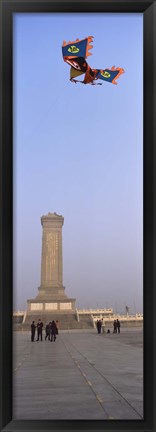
(103, 326)
(99, 326)
(118, 325)
(53, 331)
(57, 326)
(39, 330)
(115, 326)
(33, 328)
(47, 330)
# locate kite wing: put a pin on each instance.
(110, 75)
(75, 53)
(78, 48)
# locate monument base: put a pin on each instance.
(51, 299)
(47, 309)
(50, 305)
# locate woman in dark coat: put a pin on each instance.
(53, 331)
(115, 326)
(33, 328)
(47, 330)
(99, 324)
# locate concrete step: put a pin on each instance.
(65, 321)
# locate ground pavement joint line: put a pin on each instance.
(106, 379)
(23, 360)
(87, 381)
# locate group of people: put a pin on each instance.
(99, 325)
(51, 330)
(116, 326)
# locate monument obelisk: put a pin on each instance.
(51, 295)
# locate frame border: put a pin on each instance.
(7, 8)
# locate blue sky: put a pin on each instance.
(78, 151)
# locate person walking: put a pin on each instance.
(53, 331)
(39, 330)
(118, 325)
(47, 330)
(33, 328)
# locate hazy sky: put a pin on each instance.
(78, 151)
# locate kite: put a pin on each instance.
(75, 54)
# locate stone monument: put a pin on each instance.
(51, 296)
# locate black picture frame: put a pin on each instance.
(7, 8)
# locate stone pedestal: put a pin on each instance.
(51, 293)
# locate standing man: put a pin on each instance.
(47, 330)
(115, 326)
(99, 326)
(118, 325)
(33, 328)
(53, 331)
(57, 325)
(39, 330)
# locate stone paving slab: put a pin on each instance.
(82, 375)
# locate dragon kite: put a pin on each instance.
(75, 54)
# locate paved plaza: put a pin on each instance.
(82, 375)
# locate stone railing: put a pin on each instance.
(128, 318)
(94, 311)
(18, 313)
